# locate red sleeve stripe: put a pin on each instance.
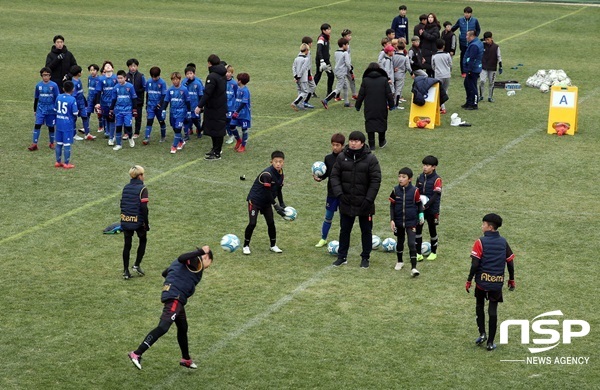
(144, 200)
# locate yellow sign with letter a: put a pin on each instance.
(562, 118)
(428, 115)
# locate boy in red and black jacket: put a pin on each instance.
(429, 184)
(490, 255)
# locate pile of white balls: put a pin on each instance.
(544, 79)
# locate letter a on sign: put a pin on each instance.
(563, 110)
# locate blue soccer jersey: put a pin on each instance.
(46, 94)
(66, 112)
(104, 87)
(195, 89)
(178, 98)
(242, 100)
(232, 88)
(79, 95)
(123, 97)
(156, 91)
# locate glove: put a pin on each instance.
(147, 227)
(500, 71)
(421, 219)
(468, 286)
(352, 76)
(357, 108)
(188, 115)
(328, 69)
(235, 115)
(111, 114)
(282, 204)
(134, 112)
(366, 206)
(322, 66)
(98, 111)
(60, 56)
(164, 113)
(157, 107)
(310, 78)
(279, 210)
(511, 285)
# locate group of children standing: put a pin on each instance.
(118, 99)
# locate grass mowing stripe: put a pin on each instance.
(298, 12)
(541, 25)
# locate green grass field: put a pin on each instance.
(291, 321)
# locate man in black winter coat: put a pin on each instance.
(376, 93)
(214, 105)
(355, 180)
(59, 60)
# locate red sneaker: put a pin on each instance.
(173, 150)
(187, 363)
(337, 99)
(238, 144)
(58, 164)
(463, 75)
(241, 149)
(32, 147)
(90, 137)
(51, 145)
(354, 97)
(68, 166)
(442, 110)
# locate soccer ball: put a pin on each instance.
(230, 242)
(376, 242)
(333, 247)
(425, 248)
(290, 213)
(319, 168)
(389, 245)
(424, 200)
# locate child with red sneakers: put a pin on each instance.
(179, 98)
(181, 279)
(242, 115)
(46, 92)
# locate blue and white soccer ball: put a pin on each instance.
(389, 245)
(333, 247)
(319, 168)
(425, 248)
(230, 242)
(290, 213)
(376, 242)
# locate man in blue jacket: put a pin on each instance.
(472, 66)
(466, 23)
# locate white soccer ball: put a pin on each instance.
(290, 213)
(230, 242)
(333, 247)
(319, 168)
(389, 245)
(376, 241)
(425, 248)
(424, 199)
(544, 88)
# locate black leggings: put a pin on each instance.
(128, 235)
(253, 212)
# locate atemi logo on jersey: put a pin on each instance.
(546, 327)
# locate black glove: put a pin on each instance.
(279, 210)
(282, 204)
(147, 227)
(366, 206)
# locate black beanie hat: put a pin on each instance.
(406, 171)
(430, 160)
(357, 136)
(493, 219)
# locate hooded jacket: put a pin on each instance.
(214, 102)
(60, 66)
(376, 93)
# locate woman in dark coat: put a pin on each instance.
(431, 34)
(376, 92)
(59, 60)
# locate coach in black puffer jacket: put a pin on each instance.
(214, 105)
(60, 60)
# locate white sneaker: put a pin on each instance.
(399, 266)
(246, 250)
(78, 138)
(131, 142)
(414, 272)
(117, 147)
(276, 249)
(111, 142)
(230, 140)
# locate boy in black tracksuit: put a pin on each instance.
(181, 278)
(406, 211)
(323, 59)
(489, 257)
(266, 187)
(137, 79)
(429, 184)
(134, 218)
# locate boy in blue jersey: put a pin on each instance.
(331, 203)
(231, 93)
(104, 97)
(81, 104)
(241, 116)
(66, 114)
(123, 109)
(261, 197)
(429, 184)
(489, 257)
(406, 212)
(92, 80)
(156, 91)
(179, 98)
(44, 97)
(137, 79)
(181, 279)
(196, 90)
